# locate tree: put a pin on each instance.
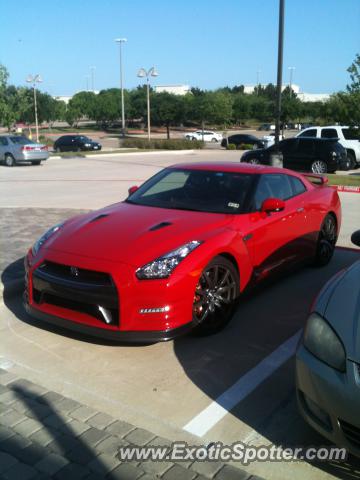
(241, 108)
(354, 71)
(167, 109)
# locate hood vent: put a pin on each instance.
(102, 215)
(159, 225)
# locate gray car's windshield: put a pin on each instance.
(198, 190)
(21, 140)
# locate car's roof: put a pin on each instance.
(233, 167)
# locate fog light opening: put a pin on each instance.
(106, 314)
(155, 310)
(316, 412)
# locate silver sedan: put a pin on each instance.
(328, 360)
(17, 149)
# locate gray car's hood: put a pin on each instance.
(340, 305)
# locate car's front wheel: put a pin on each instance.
(352, 160)
(254, 161)
(318, 166)
(326, 241)
(215, 296)
(36, 162)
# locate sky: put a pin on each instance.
(206, 44)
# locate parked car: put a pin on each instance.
(19, 149)
(315, 155)
(348, 137)
(209, 136)
(75, 143)
(328, 360)
(167, 259)
(269, 140)
(242, 139)
(267, 126)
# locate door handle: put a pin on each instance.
(300, 209)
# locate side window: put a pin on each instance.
(3, 141)
(272, 186)
(297, 186)
(308, 133)
(329, 133)
(306, 146)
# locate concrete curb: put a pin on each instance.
(100, 155)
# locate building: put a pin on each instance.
(174, 89)
(302, 96)
(251, 88)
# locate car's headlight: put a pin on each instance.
(87, 144)
(322, 341)
(40, 242)
(163, 266)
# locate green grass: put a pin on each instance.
(347, 180)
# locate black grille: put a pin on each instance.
(80, 275)
(76, 289)
(351, 432)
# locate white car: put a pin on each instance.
(347, 137)
(208, 136)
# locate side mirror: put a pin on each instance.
(133, 189)
(272, 205)
(355, 238)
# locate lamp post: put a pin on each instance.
(279, 72)
(150, 73)
(34, 79)
(258, 80)
(120, 41)
(291, 70)
(87, 78)
(92, 70)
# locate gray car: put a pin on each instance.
(328, 360)
(17, 149)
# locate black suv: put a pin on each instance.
(243, 139)
(75, 143)
(316, 155)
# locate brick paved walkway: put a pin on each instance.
(46, 435)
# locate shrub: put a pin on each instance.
(46, 141)
(231, 146)
(162, 144)
(244, 146)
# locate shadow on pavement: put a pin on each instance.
(262, 322)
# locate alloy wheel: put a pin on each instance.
(215, 294)
(319, 167)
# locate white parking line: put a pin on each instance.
(212, 414)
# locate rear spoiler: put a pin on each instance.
(316, 179)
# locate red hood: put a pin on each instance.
(123, 232)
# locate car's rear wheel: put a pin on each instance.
(213, 140)
(36, 162)
(352, 160)
(326, 241)
(254, 161)
(318, 166)
(9, 160)
(215, 296)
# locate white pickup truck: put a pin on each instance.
(348, 137)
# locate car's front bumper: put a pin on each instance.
(329, 400)
(135, 336)
(140, 310)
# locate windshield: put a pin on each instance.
(21, 140)
(197, 190)
(83, 138)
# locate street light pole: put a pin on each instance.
(34, 79)
(258, 80)
(92, 69)
(279, 72)
(291, 69)
(150, 73)
(120, 41)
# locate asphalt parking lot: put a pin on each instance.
(222, 388)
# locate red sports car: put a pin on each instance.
(178, 252)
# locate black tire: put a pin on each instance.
(215, 296)
(57, 149)
(36, 162)
(352, 159)
(319, 166)
(326, 241)
(9, 160)
(213, 140)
